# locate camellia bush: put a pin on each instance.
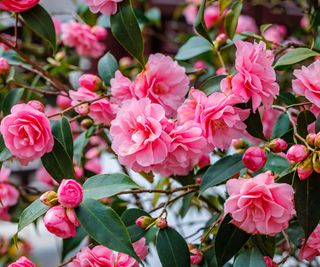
(228, 127)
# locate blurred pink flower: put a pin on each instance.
(190, 13)
(211, 15)
(106, 7)
(311, 249)
(246, 24)
(276, 33)
(22, 262)
(17, 5)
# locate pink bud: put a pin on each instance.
(221, 39)
(90, 82)
(86, 123)
(195, 256)
(278, 145)
(297, 153)
(311, 138)
(269, 262)
(316, 162)
(22, 262)
(83, 109)
(238, 143)
(317, 140)
(4, 66)
(49, 198)
(305, 168)
(161, 223)
(36, 105)
(70, 193)
(144, 221)
(198, 180)
(99, 32)
(63, 101)
(254, 158)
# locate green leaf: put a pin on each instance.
(200, 25)
(286, 178)
(12, 98)
(229, 240)
(288, 98)
(195, 46)
(307, 202)
(223, 4)
(58, 163)
(106, 185)
(69, 244)
(221, 171)
(38, 20)
(250, 258)
(212, 84)
(186, 201)
(305, 118)
(5, 153)
(294, 56)
(266, 244)
(129, 218)
(254, 125)
(276, 164)
(172, 248)
(31, 213)
(112, 233)
(104, 21)
(281, 126)
(317, 126)
(80, 144)
(62, 131)
(154, 16)
(107, 66)
(231, 19)
(125, 29)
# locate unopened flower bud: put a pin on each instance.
(196, 256)
(220, 40)
(125, 62)
(60, 56)
(198, 180)
(316, 162)
(305, 168)
(317, 140)
(278, 145)
(254, 158)
(238, 143)
(83, 109)
(311, 137)
(4, 67)
(161, 223)
(86, 123)
(269, 262)
(36, 105)
(49, 198)
(144, 221)
(90, 82)
(297, 153)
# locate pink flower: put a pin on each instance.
(45, 178)
(190, 14)
(211, 15)
(246, 24)
(27, 134)
(106, 7)
(101, 111)
(70, 193)
(311, 249)
(61, 222)
(275, 33)
(9, 195)
(4, 66)
(36, 104)
(4, 174)
(138, 134)
(22, 262)
(278, 145)
(305, 168)
(121, 88)
(307, 82)
(141, 250)
(195, 256)
(63, 101)
(254, 158)
(90, 82)
(259, 205)
(4, 214)
(81, 37)
(269, 118)
(297, 153)
(269, 262)
(93, 165)
(99, 32)
(164, 82)
(256, 79)
(18, 5)
(219, 119)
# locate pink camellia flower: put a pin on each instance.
(278, 145)
(220, 120)
(57, 25)
(45, 178)
(36, 104)
(4, 66)
(93, 165)
(22, 262)
(141, 250)
(9, 195)
(164, 82)
(311, 249)
(307, 84)
(254, 158)
(121, 88)
(256, 79)
(27, 134)
(4, 214)
(99, 32)
(138, 134)
(101, 111)
(17, 5)
(80, 36)
(70, 193)
(259, 205)
(305, 168)
(190, 14)
(90, 82)
(61, 222)
(211, 15)
(106, 7)
(246, 24)
(269, 262)
(275, 33)
(297, 153)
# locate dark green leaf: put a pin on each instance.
(295, 56)
(307, 202)
(305, 118)
(212, 84)
(254, 125)
(5, 153)
(172, 248)
(193, 47)
(112, 233)
(129, 218)
(38, 20)
(281, 126)
(80, 144)
(286, 178)
(221, 171)
(231, 19)
(250, 258)
(318, 124)
(12, 98)
(288, 98)
(223, 4)
(276, 164)
(69, 244)
(62, 131)
(107, 66)
(106, 185)
(229, 240)
(266, 244)
(125, 29)
(58, 163)
(200, 25)
(295, 233)
(186, 201)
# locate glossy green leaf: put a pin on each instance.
(221, 171)
(58, 163)
(307, 202)
(69, 244)
(281, 126)
(200, 25)
(195, 46)
(172, 248)
(286, 178)
(294, 56)
(254, 125)
(106, 185)
(5, 153)
(266, 244)
(12, 98)
(125, 29)
(80, 144)
(223, 4)
(229, 240)
(186, 203)
(62, 131)
(277, 164)
(305, 118)
(212, 84)
(39, 21)
(105, 226)
(250, 258)
(107, 66)
(231, 19)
